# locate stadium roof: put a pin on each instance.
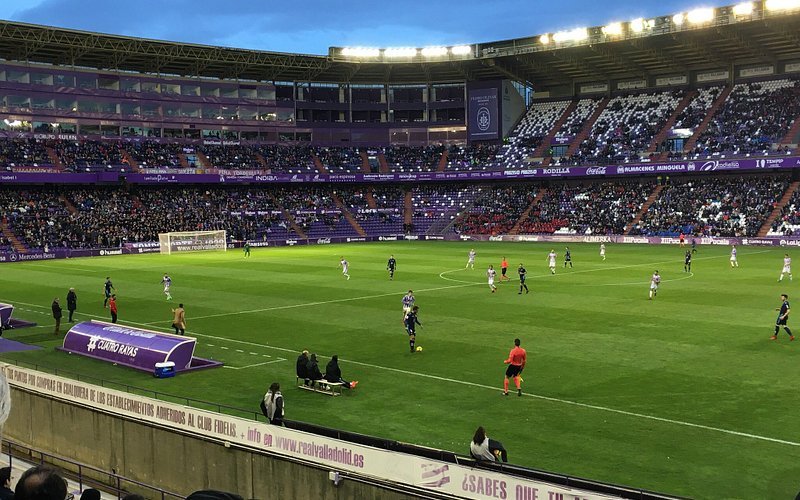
(719, 44)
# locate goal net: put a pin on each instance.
(192, 241)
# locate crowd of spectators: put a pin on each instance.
(151, 154)
(35, 215)
(497, 210)
(86, 155)
(288, 159)
(723, 206)
(23, 153)
(788, 222)
(413, 158)
(339, 159)
(231, 157)
(473, 157)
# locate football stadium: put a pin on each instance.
(549, 267)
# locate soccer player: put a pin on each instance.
(411, 321)
(787, 267)
(490, 274)
(603, 250)
(408, 303)
(783, 317)
(551, 257)
(108, 287)
(694, 245)
(516, 363)
(179, 320)
(391, 265)
(734, 260)
(523, 273)
(687, 262)
(471, 259)
(246, 249)
(344, 265)
(654, 281)
(504, 270)
(112, 306)
(567, 258)
(167, 282)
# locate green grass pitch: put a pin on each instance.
(684, 394)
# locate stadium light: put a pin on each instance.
(613, 29)
(575, 35)
(461, 50)
(677, 19)
(434, 51)
(699, 16)
(544, 39)
(399, 52)
(743, 9)
(782, 4)
(360, 52)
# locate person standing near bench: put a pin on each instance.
(57, 315)
(72, 303)
(334, 374)
(273, 404)
(112, 306)
(179, 320)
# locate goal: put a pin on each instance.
(192, 241)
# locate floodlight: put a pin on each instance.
(699, 16)
(434, 51)
(461, 50)
(399, 52)
(743, 9)
(576, 35)
(782, 4)
(613, 29)
(677, 19)
(360, 52)
(637, 25)
(544, 39)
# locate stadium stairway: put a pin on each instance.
(347, 215)
(18, 245)
(184, 161)
(442, 165)
(692, 142)
(383, 164)
(545, 145)
(318, 163)
(408, 208)
(68, 204)
(364, 162)
(371, 202)
(130, 160)
(793, 135)
(662, 134)
(288, 216)
(524, 216)
(645, 207)
(262, 161)
(51, 153)
(776, 212)
(587, 127)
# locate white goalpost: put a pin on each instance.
(192, 241)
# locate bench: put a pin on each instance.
(322, 386)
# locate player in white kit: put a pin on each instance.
(167, 282)
(552, 261)
(603, 250)
(471, 260)
(734, 260)
(787, 267)
(490, 274)
(654, 282)
(344, 265)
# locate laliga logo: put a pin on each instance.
(596, 171)
(92, 345)
(484, 119)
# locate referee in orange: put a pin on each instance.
(504, 270)
(516, 363)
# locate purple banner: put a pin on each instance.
(5, 314)
(49, 178)
(483, 119)
(128, 346)
(562, 140)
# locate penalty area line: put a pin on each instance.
(542, 397)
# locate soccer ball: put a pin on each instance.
(419, 348)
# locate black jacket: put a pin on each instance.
(332, 371)
(56, 310)
(302, 366)
(312, 370)
(72, 301)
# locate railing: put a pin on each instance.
(372, 441)
(84, 475)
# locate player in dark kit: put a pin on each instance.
(391, 266)
(567, 257)
(411, 322)
(108, 287)
(687, 262)
(783, 317)
(523, 273)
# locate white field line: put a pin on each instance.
(569, 402)
(276, 360)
